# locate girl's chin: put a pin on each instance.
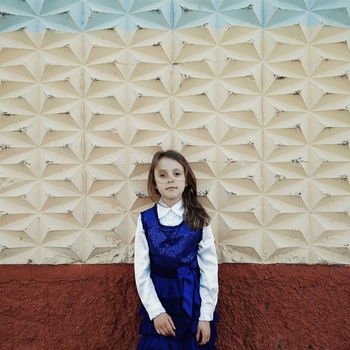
(171, 199)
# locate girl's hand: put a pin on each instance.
(164, 325)
(203, 332)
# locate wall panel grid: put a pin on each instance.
(262, 114)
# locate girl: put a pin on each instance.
(175, 261)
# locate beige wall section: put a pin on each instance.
(262, 115)
(306, 144)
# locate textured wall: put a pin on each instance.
(254, 93)
(93, 307)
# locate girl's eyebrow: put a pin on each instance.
(171, 170)
(175, 169)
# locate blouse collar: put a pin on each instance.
(163, 209)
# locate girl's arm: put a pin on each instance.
(208, 264)
(144, 284)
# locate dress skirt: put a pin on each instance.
(178, 291)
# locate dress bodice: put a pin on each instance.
(171, 246)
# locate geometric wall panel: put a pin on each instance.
(254, 94)
(41, 145)
(127, 111)
(217, 116)
(306, 134)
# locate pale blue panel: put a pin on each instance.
(279, 13)
(80, 12)
(36, 5)
(12, 23)
(244, 17)
(276, 17)
(299, 5)
(98, 20)
(153, 20)
(217, 13)
(335, 17)
(130, 14)
(144, 5)
(329, 5)
(38, 15)
(80, 15)
(16, 7)
(57, 7)
(61, 22)
(106, 6)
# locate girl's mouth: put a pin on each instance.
(171, 188)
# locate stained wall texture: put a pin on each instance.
(94, 307)
(254, 93)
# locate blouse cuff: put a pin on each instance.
(155, 312)
(206, 316)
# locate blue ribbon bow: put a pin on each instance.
(188, 275)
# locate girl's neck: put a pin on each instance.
(170, 203)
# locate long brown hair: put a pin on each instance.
(195, 215)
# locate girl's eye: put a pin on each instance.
(161, 175)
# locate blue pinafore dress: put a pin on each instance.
(175, 275)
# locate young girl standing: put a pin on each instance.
(175, 261)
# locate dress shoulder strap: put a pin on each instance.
(148, 218)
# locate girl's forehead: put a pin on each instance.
(168, 164)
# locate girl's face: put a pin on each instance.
(170, 180)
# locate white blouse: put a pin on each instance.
(207, 261)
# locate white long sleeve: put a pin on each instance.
(144, 284)
(207, 261)
(208, 264)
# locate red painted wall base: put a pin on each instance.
(94, 307)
